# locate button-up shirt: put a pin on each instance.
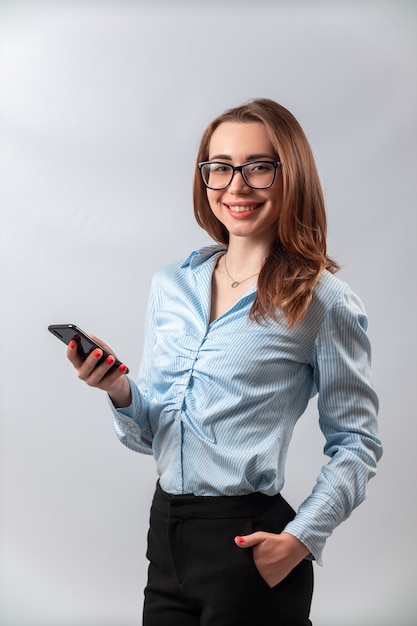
(216, 403)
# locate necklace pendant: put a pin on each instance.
(235, 284)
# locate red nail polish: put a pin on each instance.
(240, 539)
(110, 359)
(71, 345)
(122, 367)
(97, 353)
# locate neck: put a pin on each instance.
(246, 257)
(242, 263)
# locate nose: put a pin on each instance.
(238, 182)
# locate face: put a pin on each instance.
(245, 212)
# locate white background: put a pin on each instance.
(102, 105)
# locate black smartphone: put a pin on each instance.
(85, 345)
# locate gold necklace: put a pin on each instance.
(236, 283)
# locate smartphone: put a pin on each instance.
(85, 345)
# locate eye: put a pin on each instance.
(219, 168)
(260, 167)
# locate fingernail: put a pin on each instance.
(110, 359)
(122, 367)
(71, 345)
(97, 353)
(240, 539)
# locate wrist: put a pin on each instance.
(120, 393)
(298, 549)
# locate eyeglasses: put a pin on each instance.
(256, 174)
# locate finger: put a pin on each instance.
(102, 379)
(248, 541)
(96, 372)
(72, 354)
(96, 366)
(102, 344)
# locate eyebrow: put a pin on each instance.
(249, 157)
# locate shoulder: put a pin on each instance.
(333, 298)
(329, 288)
(332, 292)
(338, 305)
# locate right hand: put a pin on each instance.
(93, 374)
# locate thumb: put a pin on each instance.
(248, 541)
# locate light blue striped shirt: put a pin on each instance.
(216, 403)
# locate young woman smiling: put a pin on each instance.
(238, 338)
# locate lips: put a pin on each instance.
(241, 211)
(242, 208)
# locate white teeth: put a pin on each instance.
(242, 209)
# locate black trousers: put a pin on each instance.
(199, 577)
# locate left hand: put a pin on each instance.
(274, 555)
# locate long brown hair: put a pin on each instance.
(298, 256)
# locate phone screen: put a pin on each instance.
(85, 345)
(69, 332)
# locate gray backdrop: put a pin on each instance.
(102, 105)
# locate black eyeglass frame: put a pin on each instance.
(238, 168)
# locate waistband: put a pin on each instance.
(191, 506)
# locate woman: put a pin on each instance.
(239, 337)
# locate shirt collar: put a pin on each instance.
(197, 257)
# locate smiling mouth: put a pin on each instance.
(242, 209)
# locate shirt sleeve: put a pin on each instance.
(131, 423)
(348, 408)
